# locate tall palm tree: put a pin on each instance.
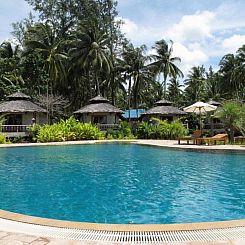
(42, 38)
(136, 72)
(175, 93)
(10, 71)
(229, 84)
(194, 90)
(88, 51)
(212, 85)
(8, 51)
(164, 62)
(239, 73)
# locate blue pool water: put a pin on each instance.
(122, 183)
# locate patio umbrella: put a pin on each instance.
(200, 108)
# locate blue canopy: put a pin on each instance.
(134, 113)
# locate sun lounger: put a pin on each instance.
(214, 139)
(196, 134)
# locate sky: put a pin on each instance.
(203, 31)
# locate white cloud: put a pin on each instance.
(189, 56)
(129, 27)
(199, 38)
(194, 27)
(231, 44)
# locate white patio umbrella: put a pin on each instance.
(200, 108)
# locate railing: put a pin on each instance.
(215, 126)
(14, 128)
(104, 127)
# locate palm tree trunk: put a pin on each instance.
(97, 84)
(129, 99)
(47, 104)
(165, 87)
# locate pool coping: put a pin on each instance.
(119, 227)
(127, 227)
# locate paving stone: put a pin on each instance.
(238, 242)
(20, 237)
(3, 234)
(11, 242)
(40, 241)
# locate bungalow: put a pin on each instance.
(163, 111)
(18, 113)
(100, 112)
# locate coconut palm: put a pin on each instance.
(136, 72)
(8, 51)
(42, 38)
(239, 73)
(175, 93)
(10, 67)
(194, 90)
(212, 85)
(164, 63)
(229, 83)
(89, 52)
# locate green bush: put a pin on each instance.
(161, 130)
(124, 131)
(68, 130)
(3, 139)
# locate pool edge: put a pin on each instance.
(119, 227)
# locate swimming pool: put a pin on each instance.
(122, 183)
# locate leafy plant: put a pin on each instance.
(3, 139)
(232, 115)
(161, 130)
(124, 131)
(67, 130)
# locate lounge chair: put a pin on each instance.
(214, 139)
(196, 134)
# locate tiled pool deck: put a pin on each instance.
(18, 237)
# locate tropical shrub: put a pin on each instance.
(233, 117)
(67, 130)
(3, 139)
(124, 131)
(161, 130)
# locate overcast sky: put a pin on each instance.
(202, 30)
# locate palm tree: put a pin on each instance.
(8, 51)
(212, 85)
(89, 52)
(164, 62)
(175, 92)
(135, 71)
(10, 67)
(194, 90)
(239, 73)
(43, 39)
(229, 84)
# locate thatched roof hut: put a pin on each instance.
(97, 105)
(99, 110)
(213, 102)
(20, 110)
(20, 103)
(163, 110)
